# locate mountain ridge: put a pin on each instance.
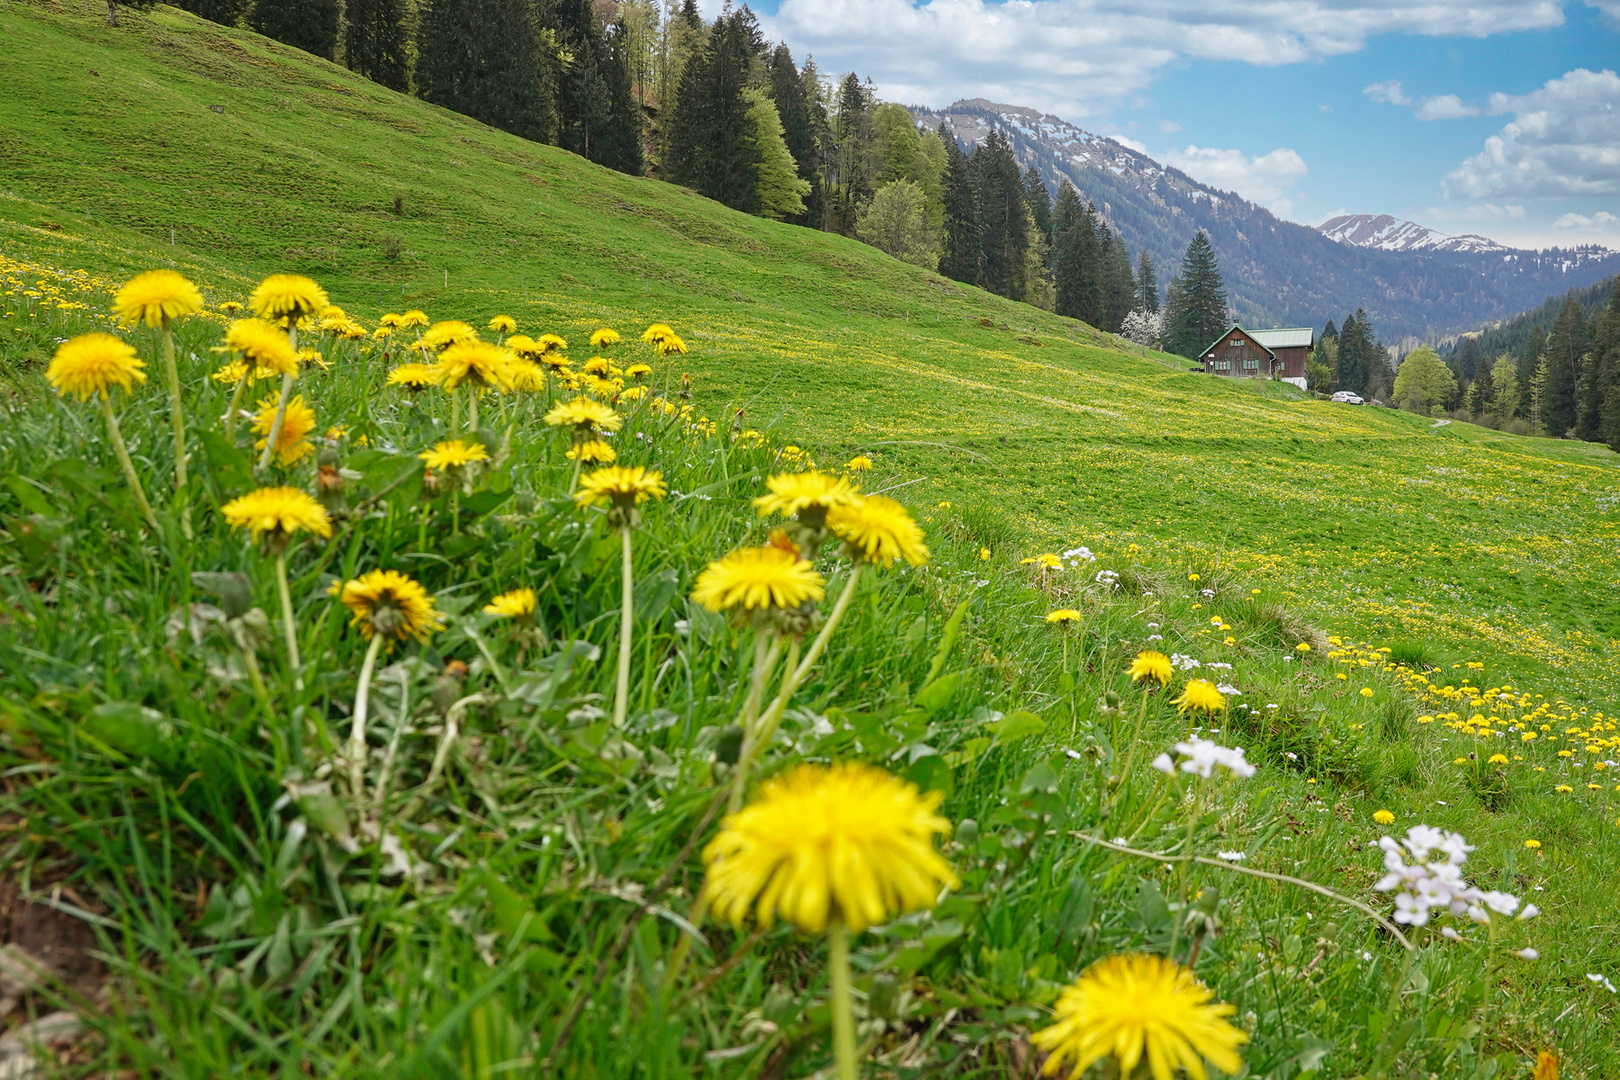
(1389, 233)
(1277, 272)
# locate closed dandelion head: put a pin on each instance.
(878, 530)
(850, 843)
(1063, 616)
(92, 364)
(455, 454)
(638, 371)
(604, 338)
(757, 580)
(442, 335)
(296, 424)
(388, 603)
(1139, 1008)
(287, 298)
(1200, 695)
(1151, 666)
(413, 320)
(475, 362)
(275, 514)
(263, 344)
(157, 298)
(414, 377)
(585, 416)
(595, 452)
(503, 324)
(518, 604)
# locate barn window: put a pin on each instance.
(1251, 364)
(1235, 342)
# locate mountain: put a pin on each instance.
(1392, 234)
(1510, 335)
(1278, 273)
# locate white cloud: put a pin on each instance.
(1130, 143)
(1079, 58)
(1477, 212)
(1602, 221)
(1387, 92)
(1264, 179)
(1444, 107)
(1564, 140)
(1169, 127)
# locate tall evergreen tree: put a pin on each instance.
(482, 58)
(1466, 359)
(1038, 197)
(374, 41)
(1561, 396)
(853, 180)
(786, 89)
(1535, 346)
(596, 110)
(224, 12)
(960, 253)
(1606, 348)
(1200, 315)
(1359, 355)
(311, 25)
(621, 145)
(1067, 267)
(1329, 331)
(1483, 388)
(1003, 216)
(711, 149)
(1147, 285)
(1119, 287)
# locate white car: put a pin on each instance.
(1345, 397)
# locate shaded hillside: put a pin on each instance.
(1277, 272)
(1509, 336)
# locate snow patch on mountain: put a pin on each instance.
(1388, 233)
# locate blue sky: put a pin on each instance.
(1497, 117)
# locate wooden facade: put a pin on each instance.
(1260, 354)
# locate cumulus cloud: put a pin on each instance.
(1602, 221)
(1444, 107)
(1264, 179)
(1079, 58)
(1564, 140)
(1387, 92)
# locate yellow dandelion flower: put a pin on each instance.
(1136, 1007)
(517, 604)
(793, 493)
(91, 364)
(1063, 615)
(388, 603)
(1194, 577)
(264, 344)
(1047, 561)
(754, 579)
(1366, 691)
(1497, 759)
(1546, 1066)
(557, 362)
(672, 344)
(596, 365)
(525, 346)
(475, 362)
(287, 297)
(635, 393)
(298, 422)
(656, 332)
(454, 454)
(230, 307)
(1532, 844)
(879, 530)
(1302, 647)
(551, 343)
(156, 297)
(277, 512)
(583, 414)
(621, 485)
(503, 324)
(604, 337)
(231, 372)
(389, 321)
(1200, 695)
(638, 371)
(1150, 664)
(1383, 817)
(413, 319)
(414, 377)
(984, 554)
(596, 452)
(849, 843)
(381, 332)
(442, 335)
(858, 464)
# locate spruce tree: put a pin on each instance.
(786, 89)
(598, 117)
(482, 58)
(1329, 331)
(1200, 316)
(1119, 287)
(311, 25)
(960, 254)
(374, 41)
(1483, 388)
(1038, 197)
(1067, 269)
(1466, 358)
(1147, 285)
(1355, 354)
(1535, 347)
(1003, 216)
(1560, 410)
(711, 150)
(1606, 347)
(853, 179)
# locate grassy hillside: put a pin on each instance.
(1242, 521)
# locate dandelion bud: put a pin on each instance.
(967, 832)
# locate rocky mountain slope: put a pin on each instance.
(1388, 233)
(1278, 272)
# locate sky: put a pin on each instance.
(1495, 117)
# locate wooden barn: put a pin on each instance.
(1260, 354)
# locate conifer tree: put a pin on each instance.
(1067, 268)
(1560, 407)
(621, 145)
(710, 150)
(224, 12)
(1535, 346)
(1119, 287)
(787, 91)
(374, 41)
(311, 25)
(1483, 388)
(855, 171)
(781, 193)
(1003, 216)
(1200, 315)
(960, 252)
(1606, 347)
(482, 58)
(597, 115)
(1329, 331)
(1147, 285)
(1039, 199)
(1358, 353)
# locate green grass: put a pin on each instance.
(243, 944)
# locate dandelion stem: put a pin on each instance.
(455, 410)
(274, 437)
(357, 734)
(177, 420)
(119, 448)
(289, 627)
(1181, 874)
(755, 736)
(573, 481)
(621, 699)
(472, 411)
(764, 664)
(236, 401)
(489, 657)
(1136, 739)
(840, 999)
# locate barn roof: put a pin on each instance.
(1288, 338)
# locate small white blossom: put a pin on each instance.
(1165, 765)
(1231, 856)
(1203, 755)
(1529, 954)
